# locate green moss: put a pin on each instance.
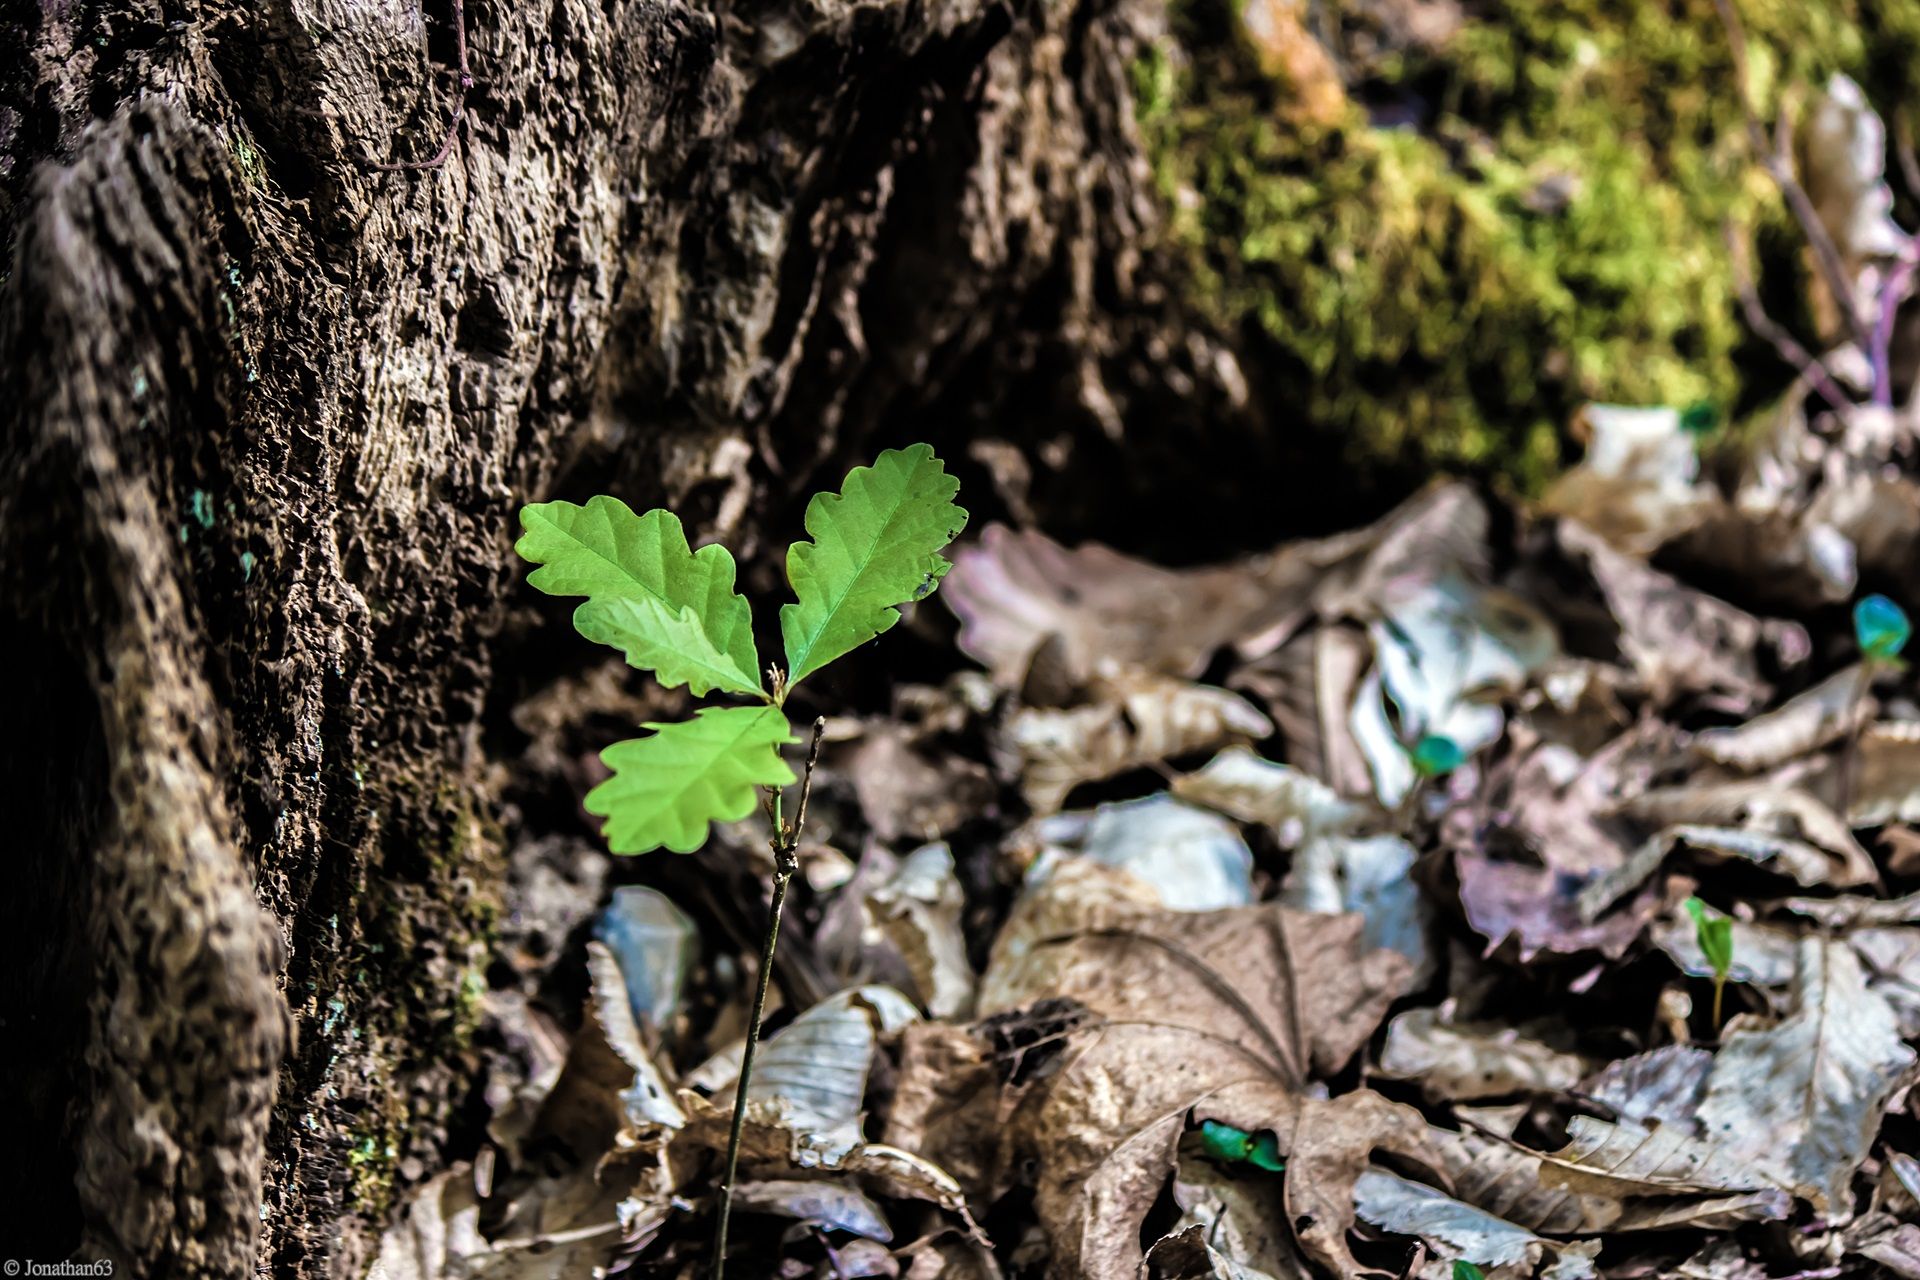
(1550, 232)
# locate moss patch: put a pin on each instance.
(1540, 225)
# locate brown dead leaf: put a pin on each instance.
(905, 792)
(1465, 1061)
(1133, 719)
(1504, 1180)
(1804, 723)
(1539, 909)
(1679, 640)
(1226, 1010)
(1013, 589)
(1627, 1160)
(1639, 484)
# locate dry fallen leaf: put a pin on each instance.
(1802, 1101)
(1451, 1229)
(1679, 640)
(1133, 719)
(1243, 786)
(919, 909)
(1225, 1010)
(1539, 908)
(1373, 877)
(1463, 1061)
(1013, 589)
(1804, 723)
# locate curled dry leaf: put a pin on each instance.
(1802, 1101)
(1885, 786)
(1539, 908)
(1504, 1179)
(1243, 786)
(919, 909)
(1661, 1086)
(1195, 860)
(1013, 590)
(1638, 485)
(1243, 1216)
(1464, 1061)
(1804, 723)
(1133, 719)
(1626, 1160)
(1677, 639)
(1846, 158)
(1450, 1228)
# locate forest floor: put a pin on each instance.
(1503, 888)
(1339, 907)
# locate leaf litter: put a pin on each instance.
(1332, 911)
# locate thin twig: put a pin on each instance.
(460, 108)
(1893, 292)
(785, 843)
(1811, 367)
(1825, 254)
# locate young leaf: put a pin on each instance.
(1236, 1146)
(1715, 934)
(1436, 754)
(875, 546)
(1881, 627)
(667, 788)
(672, 610)
(1464, 1270)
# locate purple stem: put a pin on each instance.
(1891, 296)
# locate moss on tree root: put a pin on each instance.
(1487, 232)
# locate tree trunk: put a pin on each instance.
(275, 408)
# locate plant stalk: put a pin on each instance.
(785, 844)
(1719, 989)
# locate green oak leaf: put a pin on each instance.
(875, 545)
(667, 788)
(671, 609)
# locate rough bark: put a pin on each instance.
(271, 410)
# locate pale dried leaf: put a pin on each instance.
(1450, 1228)
(1195, 860)
(1504, 1180)
(1372, 876)
(1804, 723)
(1662, 1086)
(1243, 786)
(919, 908)
(1802, 1101)
(1134, 719)
(1538, 907)
(1625, 1160)
(1468, 1061)
(1638, 485)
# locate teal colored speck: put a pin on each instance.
(1881, 627)
(183, 533)
(1699, 418)
(139, 385)
(202, 508)
(1436, 754)
(335, 1008)
(246, 566)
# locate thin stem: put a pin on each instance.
(1719, 989)
(785, 843)
(1825, 254)
(1892, 292)
(439, 157)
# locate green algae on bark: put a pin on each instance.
(1529, 213)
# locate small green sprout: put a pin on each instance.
(1236, 1146)
(1464, 1270)
(871, 548)
(1699, 420)
(1882, 629)
(1436, 754)
(1714, 932)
